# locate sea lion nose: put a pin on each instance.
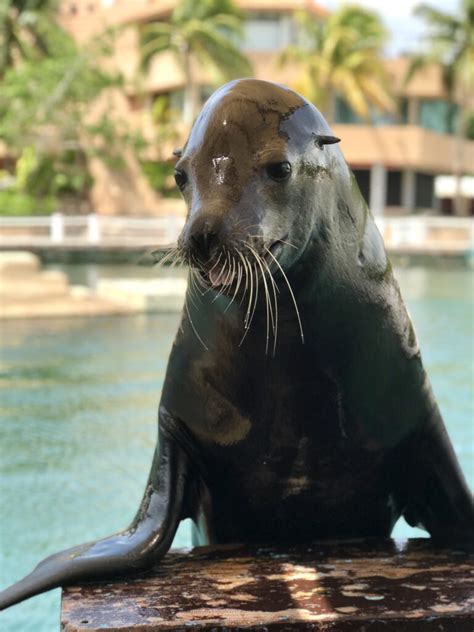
(205, 237)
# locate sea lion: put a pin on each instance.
(295, 405)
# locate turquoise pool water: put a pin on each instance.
(78, 424)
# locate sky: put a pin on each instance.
(407, 31)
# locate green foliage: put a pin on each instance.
(343, 55)
(165, 120)
(205, 29)
(50, 96)
(470, 126)
(26, 30)
(42, 175)
(205, 32)
(47, 87)
(111, 136)
(42, 179)
(160, 176)
(449, 42)
(14, 202)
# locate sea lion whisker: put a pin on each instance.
(223, 285)
(186, 307)
(239, 278)
(249, 305)
(268, 306)
(272, 314)
(193, 262)
(166, 257)
(249, 313)
(196, 271)
(176, 262)
(248, 226)
(199, 284)
(246, 276)
(255, 301)
(168, 253)
(216, 262)
(231, 268)
(270, 239)
(250, 279)
(191, 291)
(291, 292)
(275, 299)
(256, 295)
(261, 260)
(206, 287)
(230, 275)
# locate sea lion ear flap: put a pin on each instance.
(321, 140)
(178, 152)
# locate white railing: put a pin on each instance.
(410, 232)
(448, 234)
(87, 230)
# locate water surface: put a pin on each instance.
(79, 399)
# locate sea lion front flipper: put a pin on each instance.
(434, 493)
(137, 548)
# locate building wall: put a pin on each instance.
(401, 152)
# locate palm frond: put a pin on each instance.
(214, 49)
(154, 39)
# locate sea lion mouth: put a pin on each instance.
(274, 249)
(224, 272)
(218, 277)
(248, 272)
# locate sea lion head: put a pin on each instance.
(257, 175)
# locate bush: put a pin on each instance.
(17, 203)
(160, 177)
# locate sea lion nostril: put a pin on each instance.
(205, 236)
(204, 244)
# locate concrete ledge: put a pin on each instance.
(365, 586)
(28, 292)
(145, 295)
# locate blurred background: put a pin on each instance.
(94, 97)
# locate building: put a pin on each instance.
(395, 159)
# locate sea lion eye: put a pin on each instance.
(180, 178)
(279, 171)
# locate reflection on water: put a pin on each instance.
(79, 400)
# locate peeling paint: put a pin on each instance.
(312, 588)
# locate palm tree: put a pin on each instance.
(450, 44)
(201, 32)
(25, 30)
(342, 56)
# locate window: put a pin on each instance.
(438, 115)
(268, 32)
(362, 177)
(345, 114)
(394, 188)
(424, 190)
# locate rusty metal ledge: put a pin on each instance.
(366, 586)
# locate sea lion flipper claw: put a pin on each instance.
(137, 548)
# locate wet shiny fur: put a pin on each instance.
(295, 405)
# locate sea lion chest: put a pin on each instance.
(277, 452)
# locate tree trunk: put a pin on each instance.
(191, 91)
(459, 200)
(331, 106)
(124, 190)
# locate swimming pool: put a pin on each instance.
(79, 399)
